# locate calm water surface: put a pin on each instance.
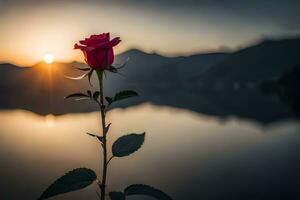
(188, 155)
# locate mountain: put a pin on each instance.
(229, 88)
(219, 84)
(154, 69)
(224, 85)
(42, 87)
(266, 60)
(186, 67)
(146, 73)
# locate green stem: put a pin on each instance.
(102, 108)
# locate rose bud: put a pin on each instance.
(98, 50)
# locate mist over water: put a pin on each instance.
(187, 155)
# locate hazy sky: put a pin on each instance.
(32, 28)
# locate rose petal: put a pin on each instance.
(107, 44)
(110, 56)
(93, 40)
(100, 36)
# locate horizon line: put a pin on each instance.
(200, 52)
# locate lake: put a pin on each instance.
(186, 154)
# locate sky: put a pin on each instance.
(32, 28)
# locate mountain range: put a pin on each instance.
(219, 84)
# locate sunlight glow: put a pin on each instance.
(48, 58)
(49, 119)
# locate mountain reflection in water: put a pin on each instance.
(190, 156)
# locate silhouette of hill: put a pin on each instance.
(219, 84)
(153, 70)
(268, 59)
(228, 85)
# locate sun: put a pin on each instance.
(48, 58)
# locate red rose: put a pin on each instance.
(98, 50)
